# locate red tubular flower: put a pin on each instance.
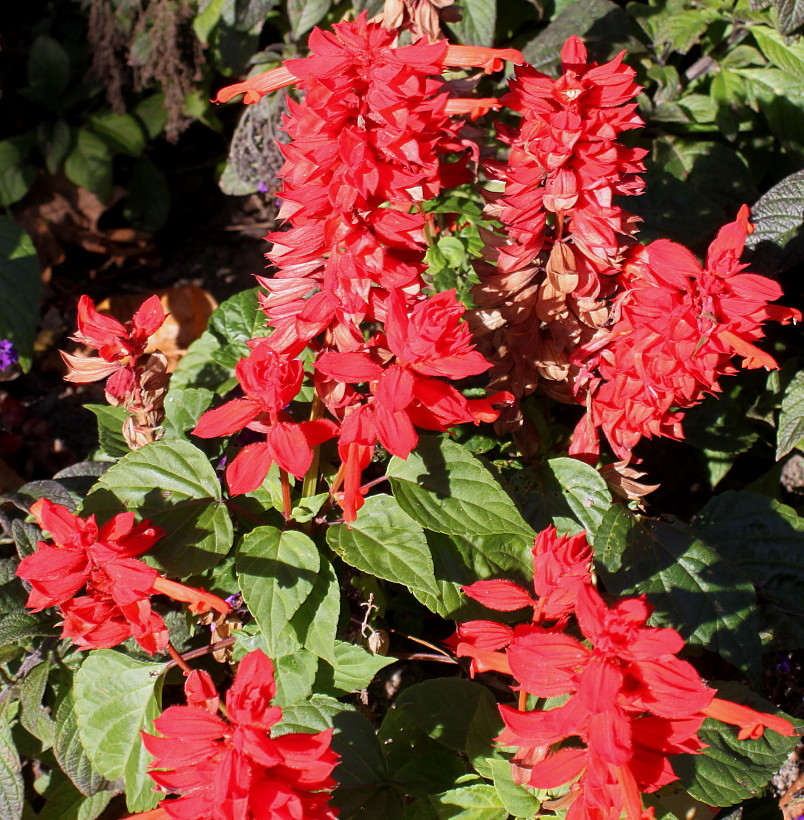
(679, 328)
(118, 587)
(119, 345)
(233, 769)
(631, 703)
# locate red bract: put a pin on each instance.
(232, 768)
(270, 382)
(119, 345)
(547, 270)
(631, 703)
(117, 603)
(679, 327)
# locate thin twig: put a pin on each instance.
(225, 643)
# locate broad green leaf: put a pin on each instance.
(277, 571)
(476, 27)
(694, 588)
(172, 484)
(784, 54)
(237, 320)
(209, 13)
(459, 714)
(116, 698)
(600, 23)
(518, 801)
(765, 539)
(55, 139)
(89, 165)
(19, 625)
(33, 715)
(731, 770)
(65, 802)
(110, 429)
(314, 715)
(387, 543)
(712, 168)
(304, 14)
(48, 71)
(70, 752)
(564, 492)
(197, 368)
(477, 801)
(20, 285)
(183, 408)
(446, 489)
(777, 218)
(16, 177)
(417, 765)
(152, 113)
(121, 132)
(791, 418)
(295, 675)
(316, 620)
(790, 15)
(353, 670)
(12, 788)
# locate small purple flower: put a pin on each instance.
(8, 354)
(262, 187)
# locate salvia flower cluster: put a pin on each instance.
(229, 767)
(103, 561)
(631, 703)
(136, 376)
(373, 138)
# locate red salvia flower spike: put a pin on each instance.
(752, 723)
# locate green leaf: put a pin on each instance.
(89, 165)
(70, 752)
(790, 15)
(116, 698)
(476, 28)
(152, 113)
(564, 492)
(304, 14)
(25, 537)
(209, 13)
(295, 676)
(147, 205)
(791, 418)
(183, 408)
(33, 715)
(55, 140)
(446, 489)
(787, 55)
(65, 802)
(277, 571)
(20, 285)
(353, 670)
(778, 218)
(517, 800)
(387, 543)
(19, 625)
(16, 177)
(197, 368)
(121, 132)
(694, 588)
(765, 539)
(314, 715)
(478, 801)
(459, 714)
(12, 788)
(600, 23)
(48, 71)
(237, 320)
(110, 429)
(172, 484)
(731, 770)
(316, 620)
